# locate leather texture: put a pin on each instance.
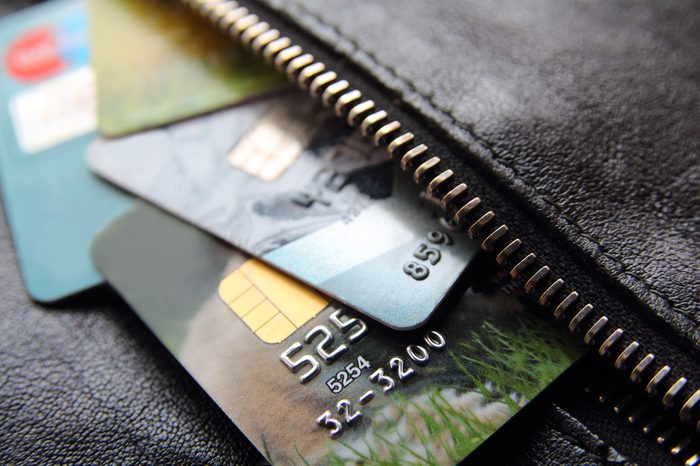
(558, 439)
(84, 382)
(586, 112)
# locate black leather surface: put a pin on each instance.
(387, 67)
(86, 383)
(586, 112)
(557, 439)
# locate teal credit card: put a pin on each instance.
(310, 381)
(47, 118)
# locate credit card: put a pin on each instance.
(308, 380)
(157, 63)
(47, 118)
(289, 183)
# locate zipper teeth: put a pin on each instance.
(679, 444)
(441, 183)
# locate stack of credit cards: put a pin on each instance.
(304, 281)
(285, 181)
(311, 381)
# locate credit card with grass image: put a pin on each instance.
(310, 381)
(157, 63)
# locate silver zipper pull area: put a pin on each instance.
(428, 170)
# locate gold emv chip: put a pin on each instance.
(271, 304)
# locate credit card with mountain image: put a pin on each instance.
(285, 181)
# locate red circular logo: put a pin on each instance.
(33, 56)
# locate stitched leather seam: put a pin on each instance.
(597, 243)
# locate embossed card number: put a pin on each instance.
(334, 426)
(428, 255)
(345, 377)
(325, 348)
(417, 353)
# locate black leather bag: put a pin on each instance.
(562, 136)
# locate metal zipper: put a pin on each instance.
(654, 423)
(440, 182)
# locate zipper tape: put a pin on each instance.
(428, 170)
(651, 421)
